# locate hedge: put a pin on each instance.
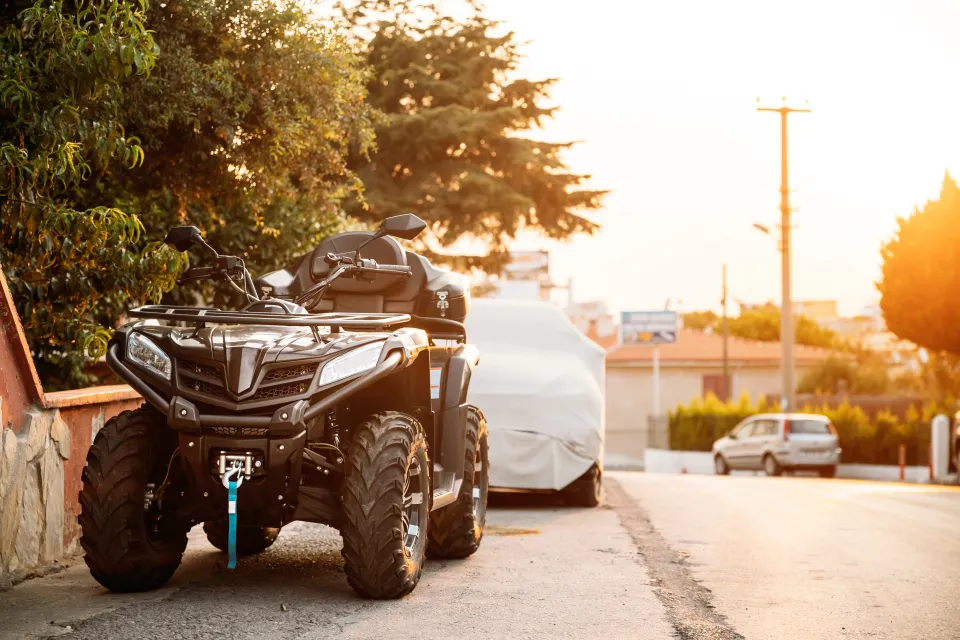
(695, 427)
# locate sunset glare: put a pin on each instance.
(664, 95)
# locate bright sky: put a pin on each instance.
(663, 94)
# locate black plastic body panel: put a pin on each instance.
(268, 498)
(451, 407)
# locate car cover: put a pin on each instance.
(539, 383)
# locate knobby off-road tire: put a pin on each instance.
(250, 540)
(585, 490)
(123, 554)
(456, 530)
(387, 472)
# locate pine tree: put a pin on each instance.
(455, 143)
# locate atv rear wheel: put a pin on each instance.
(386, 506)
(456, 530)
(123, 548)
(585, 490)
(250, 540)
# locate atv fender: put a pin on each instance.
(454, 383)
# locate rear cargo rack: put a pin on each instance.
(334, 320)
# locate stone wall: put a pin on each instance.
(44, 438)
(41, 465)
(32, 492)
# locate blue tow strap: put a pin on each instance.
(232, 524)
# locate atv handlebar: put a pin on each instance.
(345, 267)
(394, 268)
(195, 274)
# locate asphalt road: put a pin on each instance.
(810, 558)
(541, 572)
(666, 557)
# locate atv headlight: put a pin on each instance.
(142, 351)
(351, 363)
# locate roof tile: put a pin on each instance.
(707, 347)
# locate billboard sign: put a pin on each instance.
(648, 327)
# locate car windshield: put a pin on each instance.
(811, 427)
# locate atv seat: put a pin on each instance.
(385, 292)
(429, 291)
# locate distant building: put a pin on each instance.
(689, 368)
(820, 311)
(525, 277)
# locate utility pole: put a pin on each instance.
(726, 335)
(789, 396)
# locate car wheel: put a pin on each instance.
(585, 490)
(770, 466)
(720, 465)
(828, 472)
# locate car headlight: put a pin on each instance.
(351, 363)
(142, 351)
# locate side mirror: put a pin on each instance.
(732, 435)
(406, 226)
(182, 238)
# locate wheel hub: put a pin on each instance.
(412, 501)
(478, 489)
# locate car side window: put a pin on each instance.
(765, 428)
(744, 430)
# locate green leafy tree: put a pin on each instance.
(921, 274)
(762, 324)
(72, 262)
(246, 122)
(700, 320)
(455, 143)
(866, 373)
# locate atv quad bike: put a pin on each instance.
(339, 397)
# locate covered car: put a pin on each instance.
(540, 383)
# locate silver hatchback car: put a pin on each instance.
(778, 442)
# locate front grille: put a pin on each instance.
(208, 380)
(281, 390)
(290, 372)
(194, 368)
(241, 431)
(202, 387)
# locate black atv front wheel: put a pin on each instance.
(250, 540)
(585, 490)
(123, 546)
(456, 530)
(386, 506)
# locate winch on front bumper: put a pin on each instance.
(271, 468)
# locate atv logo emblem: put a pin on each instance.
(442, 303)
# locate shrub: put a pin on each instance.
(696, 426)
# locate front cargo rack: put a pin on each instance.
(335, 320)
